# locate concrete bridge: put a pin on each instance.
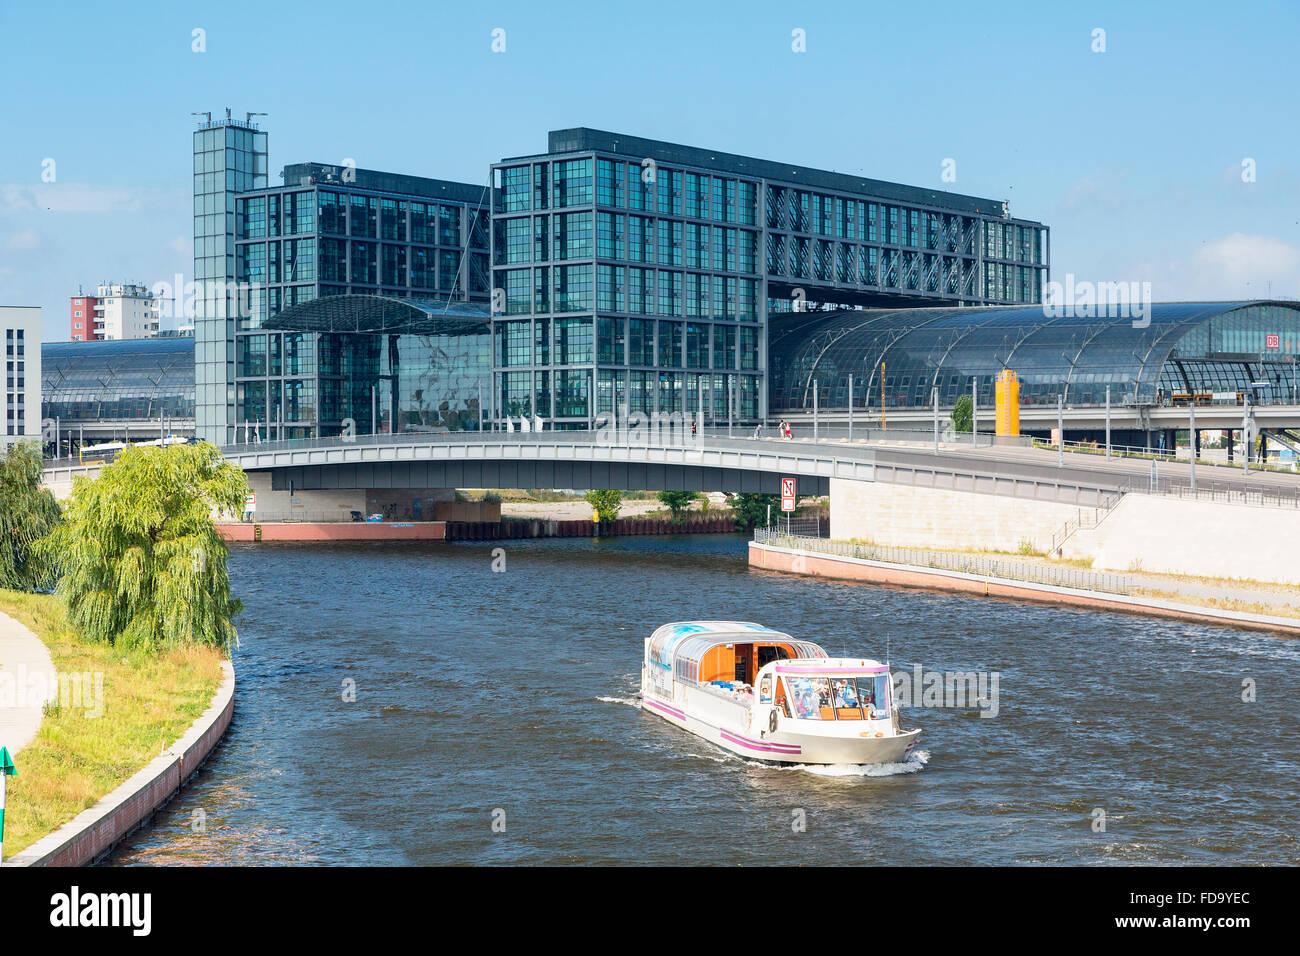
(711, 462)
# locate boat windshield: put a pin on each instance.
(839, 698)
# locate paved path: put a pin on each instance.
(23, 656)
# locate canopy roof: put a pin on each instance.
(382, 314)
(690, 640)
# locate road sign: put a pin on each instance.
(250, 502)
(1272, 341)
(787, 494)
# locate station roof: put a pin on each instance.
(117, 363)
(1072, 352)
(127, 380)
(382, 315)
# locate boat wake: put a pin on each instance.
(911, 765)
(629, 701)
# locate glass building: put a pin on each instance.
(327, 231)
(340, 231)
(649, 272)
(116, 389)
(901, 355)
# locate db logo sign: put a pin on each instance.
(1272, 341)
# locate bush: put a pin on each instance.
(606, 504)
(963, 414)
(28, 513)
(678, 502)
(750, 510)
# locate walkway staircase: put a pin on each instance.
(1085, 518)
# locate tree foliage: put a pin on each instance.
(28, 513)
(963, 414)
(606, 504)
(678, 502)
(751, 510)
(142, 564)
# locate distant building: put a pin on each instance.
(116, 311)
(21, 328)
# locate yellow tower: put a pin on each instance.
(1008, 403)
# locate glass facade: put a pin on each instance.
(1214, 347)
(229, 157)
(650, 271)
(332, 231)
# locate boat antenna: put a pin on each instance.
(886, 648)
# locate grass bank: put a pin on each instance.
(148, 702)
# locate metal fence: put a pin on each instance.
(991, 568)
(1216, 489)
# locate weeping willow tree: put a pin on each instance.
(142, 565)
(28, 513)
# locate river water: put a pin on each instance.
(507, 698)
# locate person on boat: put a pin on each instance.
(824, 693)
(848, 697)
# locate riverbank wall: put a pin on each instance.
(327, 531)
(513, 528)
(94, 832)
(794, 560)
(506, 529)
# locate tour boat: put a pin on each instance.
(764, 695)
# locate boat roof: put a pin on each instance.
(691, 639)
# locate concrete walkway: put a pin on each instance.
(26, 683)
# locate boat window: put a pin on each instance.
(808, 695)
(880, 695)
(840, 698)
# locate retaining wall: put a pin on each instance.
(1213, 539)
(93, 832)
(919, 517)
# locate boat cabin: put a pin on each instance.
(726, 655)
(829, 690)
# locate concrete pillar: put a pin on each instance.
(1230, 440)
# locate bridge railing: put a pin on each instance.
(710, 438)
(977, 565)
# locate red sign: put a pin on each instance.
(1272, 341)
(787, 494)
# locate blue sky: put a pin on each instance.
(1133, 156)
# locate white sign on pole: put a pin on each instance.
(250, 502)
(787, 494)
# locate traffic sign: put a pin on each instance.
(787, 494)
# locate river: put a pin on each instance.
(494, 721)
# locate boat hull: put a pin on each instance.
(786, 746)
